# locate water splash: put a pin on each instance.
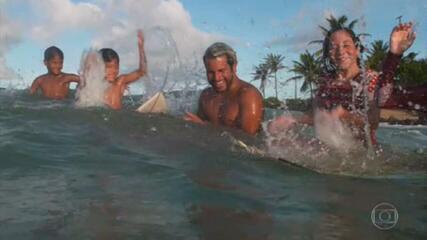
(163, 59)
(331, 131)
(9, 36)
(179, 78)
(92, 87)
(368, 106)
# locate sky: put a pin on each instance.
(178, 31)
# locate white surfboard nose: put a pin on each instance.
(156, 104)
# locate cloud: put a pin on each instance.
(168, 28)
(113, 23)
(57, 16)
(304, 25)
(167, 19)
(9, 36)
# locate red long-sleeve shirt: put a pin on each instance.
(351, 94)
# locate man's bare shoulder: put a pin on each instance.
(250, 91)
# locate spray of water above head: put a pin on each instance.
(170, 72)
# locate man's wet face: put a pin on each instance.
(54, 65)
(219, 73)
(111, 70)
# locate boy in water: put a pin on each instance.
(118, 83)
(54, 84)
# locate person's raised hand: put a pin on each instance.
(402, 37)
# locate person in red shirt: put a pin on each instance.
(344, 86)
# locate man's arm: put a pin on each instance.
(251, 111)
(200, 117)
(142, 70)
(283, 123)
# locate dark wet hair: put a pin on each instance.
(109, 55)
(218, 49)
(51, 52)
(327, 64)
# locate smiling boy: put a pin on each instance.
(54, 84)
(118, 83)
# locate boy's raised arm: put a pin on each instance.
(142, 70)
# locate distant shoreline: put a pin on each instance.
(403, 117)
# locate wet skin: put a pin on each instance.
(118, 83)
(114, 93)
(54, 84)
(229, 101)
(344, 55)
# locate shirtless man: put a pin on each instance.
(54, 84)
(118, 83)
(229, 101)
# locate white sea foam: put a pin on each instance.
(399, 126)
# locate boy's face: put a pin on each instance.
(111, 70)
(54, 65)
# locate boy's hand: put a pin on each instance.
(402, 37)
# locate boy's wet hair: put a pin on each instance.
(218, 49)
(328, 66)
(51, 52)
(109, 55)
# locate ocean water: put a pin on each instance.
(92, 173)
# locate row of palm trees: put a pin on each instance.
(306, 69)
(267, 69)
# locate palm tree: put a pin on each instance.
(308, 68)
(411, 72)
(275, 63)
(376, 54)
(334, 24)
(261, 72)
(295, 79)
(410, 57)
